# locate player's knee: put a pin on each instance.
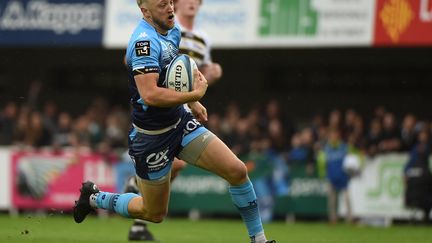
(237, 173)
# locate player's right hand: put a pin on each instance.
(200, 84)
(212, 71)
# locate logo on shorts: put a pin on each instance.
(156, 161)
(191, 126)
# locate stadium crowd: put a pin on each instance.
(272, 145)
(255, 130)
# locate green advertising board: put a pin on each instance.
(288, 17)
(196, 189)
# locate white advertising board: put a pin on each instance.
(5, 178)
(286, 23)
(121, 18)
(262, 23)
(379, 190)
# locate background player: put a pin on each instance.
(195, 43)
(164, 130)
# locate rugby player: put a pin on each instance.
(163, 129)
(194, 43)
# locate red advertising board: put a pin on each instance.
(403, 22)
(52, 181)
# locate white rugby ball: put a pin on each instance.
(351, 164)
(179, 74)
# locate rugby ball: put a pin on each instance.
(179, 74)
(351, 164)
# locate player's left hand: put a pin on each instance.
(199, 111)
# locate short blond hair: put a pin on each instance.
(175, 1)
(141, 2)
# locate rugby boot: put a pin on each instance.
(131, 185)
(139, 232)
(82, 207)
(269, 241)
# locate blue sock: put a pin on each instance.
(115, 202)
(245, 200)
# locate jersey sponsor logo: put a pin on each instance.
(158, 160)
(142, 48)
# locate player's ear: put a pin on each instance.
(145, 12)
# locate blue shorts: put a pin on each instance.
(339, 182)
(153, 154)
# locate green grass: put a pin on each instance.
(62, 229)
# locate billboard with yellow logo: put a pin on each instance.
(403, 22)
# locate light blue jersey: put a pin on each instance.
(151, 52)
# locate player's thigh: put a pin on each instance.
(219, 159)
(155, 195)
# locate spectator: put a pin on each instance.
(214, 124)
(408, 132)
(278, 139)
(115, 134)
(335, 120)
(229, 121)
(255, 128)
(80, 134)
(307, 144)
(62, 136)
(277, 153)
(379, 113)
(260, 170)
(274, 116)
(317, 124)
(38, 135)
(8, 119)
(301, 159)
(94, 126)
(390, 140)
(330, 162)
(356, 137)
(350, 120)
(33, 95)
(418, 176)
(321, 139)
(49, 116)
(374, 137)
(22, 126)
(241, 140)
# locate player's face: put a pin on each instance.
(162, 13)
(187, 8)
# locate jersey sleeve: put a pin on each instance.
(207, 59)
(145, 56)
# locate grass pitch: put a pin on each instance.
(114, 229)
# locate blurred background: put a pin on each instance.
(294, 73)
